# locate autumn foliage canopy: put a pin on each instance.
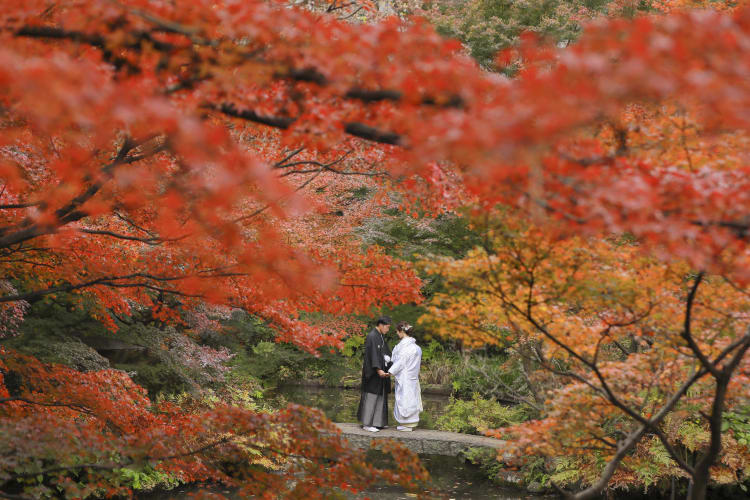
(163, 155)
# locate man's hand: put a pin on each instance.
(383, 374)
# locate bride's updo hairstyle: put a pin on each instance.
(405, 327)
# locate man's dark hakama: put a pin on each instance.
(373, 404)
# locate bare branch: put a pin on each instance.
(71, 212)
(687, 334)
(72, 406)
(152, 240)
(19, 205)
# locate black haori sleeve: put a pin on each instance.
(373, 354)
(372, 362)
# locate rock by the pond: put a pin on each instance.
(421, 440)
(535, 487)
(510, 477)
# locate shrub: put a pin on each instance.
(148, 478)
(492, 376)
(58, 348)
(477, 415)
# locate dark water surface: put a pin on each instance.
(451, 478)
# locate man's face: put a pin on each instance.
(383, 328)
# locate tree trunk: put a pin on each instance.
(702, 471)
(623, 448)
(700, 487)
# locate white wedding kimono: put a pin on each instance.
(407, 357)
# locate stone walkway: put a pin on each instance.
(421, 440)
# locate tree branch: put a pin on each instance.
(372, 134)
(686, 333)
(112, 282)
(72, 406)
(151, 240)
(27, 229)
(19, 205)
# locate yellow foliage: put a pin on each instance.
(598, 316)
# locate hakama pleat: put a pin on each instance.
(373, 410)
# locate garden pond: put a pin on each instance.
(340, 404)
(451, 478)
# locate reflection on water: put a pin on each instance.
(450, 478)
(340, 405)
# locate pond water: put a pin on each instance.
(451, 478)
(340, 405)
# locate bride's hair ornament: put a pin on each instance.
(403, 326)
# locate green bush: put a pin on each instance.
(51, 332)
(57, 348)
(353, 345)
(477, 415)
(148, 478)
(410, 239)
(433, 351)
(492, 376)
(275, 362)
(488, 26)
(164, 360)
(739, 423)
(486, 459)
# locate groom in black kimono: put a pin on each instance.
(373, 405)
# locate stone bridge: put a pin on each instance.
(421, 440)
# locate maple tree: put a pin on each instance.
(575, 309)
(103, 423)
(611, 341)
(173, 230)
(417, 146)
(136, 167)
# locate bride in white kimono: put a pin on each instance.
(406, 359)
